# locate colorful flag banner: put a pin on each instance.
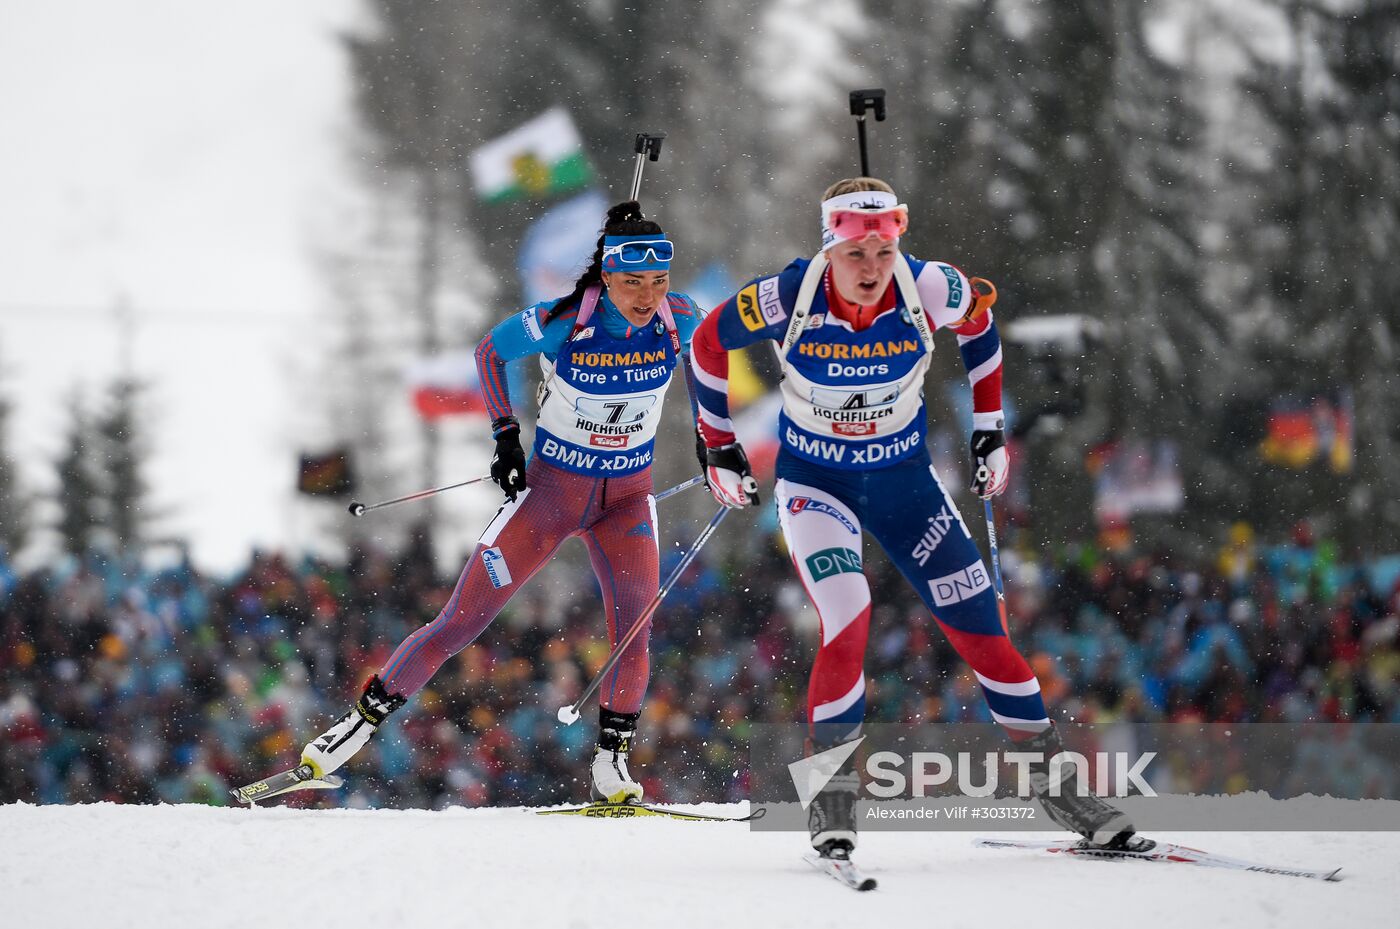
(537, 159)
(326, 475)
(1301, 432)
(557, 246)
(446, 385)
(1135, 476)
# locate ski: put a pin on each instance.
(841, 869)
(1156, 851)
(302, 777)
(636, 810)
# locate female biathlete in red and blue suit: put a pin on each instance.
(854, 329)
(608, 352)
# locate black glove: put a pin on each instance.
(990, 467)
(731, 481)
(508, 464)
(701, 454)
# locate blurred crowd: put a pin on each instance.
(170, 685)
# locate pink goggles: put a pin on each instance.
(857, 224)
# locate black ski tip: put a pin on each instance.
(868, 884)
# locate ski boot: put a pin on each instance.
(611, 780)
(1101, 824)
(336, 745)
(831, 819)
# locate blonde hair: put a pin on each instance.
(853, 185)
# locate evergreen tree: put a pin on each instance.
(124, 451)
(14, 509)
(79, 480)
(1322, 292)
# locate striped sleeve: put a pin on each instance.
(491, 371)
(758, 312)
(948, 298)
(981, 354)
(711, 368)
(522, 334)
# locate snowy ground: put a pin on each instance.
(182, 866)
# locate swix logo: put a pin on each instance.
(608, 441)
(798, 504)
(853, 428)
(938, 527)
(960, 585)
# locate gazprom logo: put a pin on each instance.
(496, 569)
(960, 585)
(531, 319)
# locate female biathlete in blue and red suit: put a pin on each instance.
(854, 329)
(608, 351)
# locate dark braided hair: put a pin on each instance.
(624, 219)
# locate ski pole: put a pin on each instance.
(683, 485)
(648, 144)
(360, 509)
(992, 544)
(861, 100)
(568, 715)
(996, 567)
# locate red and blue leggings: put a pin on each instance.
(824, 513)
(615, 517)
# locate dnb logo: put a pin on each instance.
(759, 304)
(496, 568)
(960, 585)
(955, 290)
(830, 562)
(798, 504)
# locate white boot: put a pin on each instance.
(611, 779)
(332, 748)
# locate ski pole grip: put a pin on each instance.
(872, 99)
(647, 146)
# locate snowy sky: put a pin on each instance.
(172, 154)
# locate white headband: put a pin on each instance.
(872, 200)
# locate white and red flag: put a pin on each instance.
(446, 385)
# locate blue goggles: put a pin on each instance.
(637, 253)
